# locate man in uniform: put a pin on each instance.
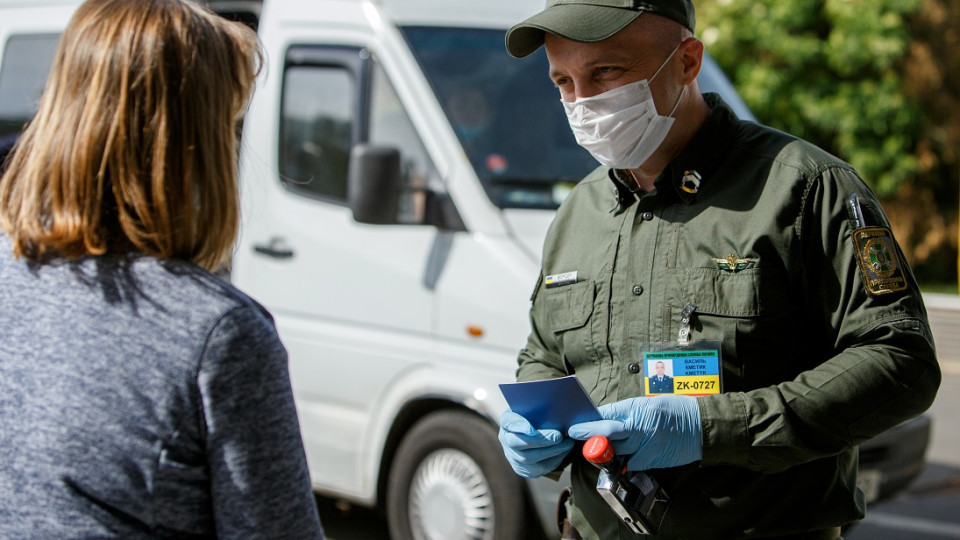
(661, 383)
(758, 263)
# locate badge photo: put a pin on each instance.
(660, 380)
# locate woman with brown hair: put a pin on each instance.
(140, 395)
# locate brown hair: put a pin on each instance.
(134, 146)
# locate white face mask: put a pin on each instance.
(621, 127)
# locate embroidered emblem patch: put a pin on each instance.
(734, 264)
(879, 263)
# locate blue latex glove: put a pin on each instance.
(531, 452)
(656, 432)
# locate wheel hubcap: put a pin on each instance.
(450, 499)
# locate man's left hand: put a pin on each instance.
(656, 432)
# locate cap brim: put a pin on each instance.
(576, 22)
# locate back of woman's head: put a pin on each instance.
(134, 143)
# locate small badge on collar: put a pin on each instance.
(734, 264)
(690, 182)
(877, 253)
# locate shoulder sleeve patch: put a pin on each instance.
(879, 262)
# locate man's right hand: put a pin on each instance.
(531, 452)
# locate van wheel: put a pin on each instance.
(450, 481)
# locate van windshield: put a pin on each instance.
(508, 117)
(506, 113)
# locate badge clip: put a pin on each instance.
(683, 338)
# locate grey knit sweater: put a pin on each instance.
(140, 399)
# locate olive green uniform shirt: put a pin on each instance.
(812, 363)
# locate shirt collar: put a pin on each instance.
(703, 155)
(627, 192)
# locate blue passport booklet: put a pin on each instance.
(551, 403)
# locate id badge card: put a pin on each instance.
(692, 370)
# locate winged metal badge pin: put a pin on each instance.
(734, 264)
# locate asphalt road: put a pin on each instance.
(928, 510)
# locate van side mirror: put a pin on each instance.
(373, 184)
(376, 193)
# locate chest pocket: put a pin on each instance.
(731, 294)
(750, 312)
(569, 306)
(567, 313)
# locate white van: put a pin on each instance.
(399, 171)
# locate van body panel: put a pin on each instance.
(486, 285)
(529, 228)
(375, 317)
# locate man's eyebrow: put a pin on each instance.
(599, 61)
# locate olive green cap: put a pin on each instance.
(589, 21)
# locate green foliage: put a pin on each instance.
(827, 71)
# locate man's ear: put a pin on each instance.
(691, 52)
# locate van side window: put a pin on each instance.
(333, 98)
(26, 63)
(316, 126)
(391, 126)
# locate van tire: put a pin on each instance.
(450, 481)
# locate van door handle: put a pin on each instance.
(277, 248)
